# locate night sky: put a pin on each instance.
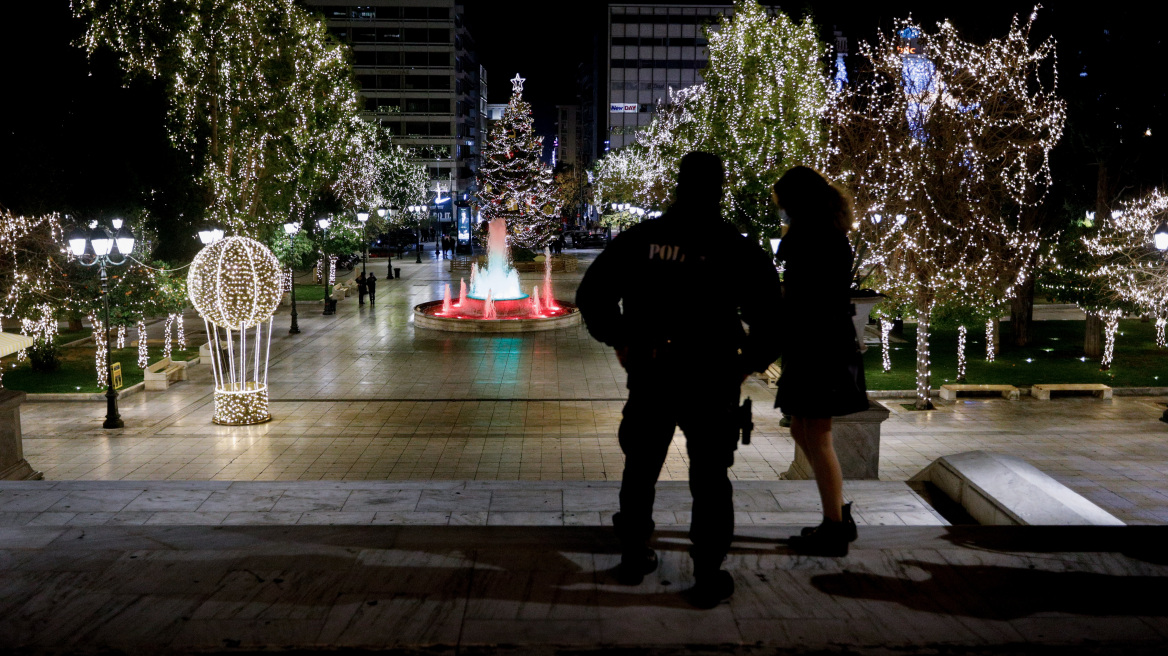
(73, 138)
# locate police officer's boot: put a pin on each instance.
(637, 559)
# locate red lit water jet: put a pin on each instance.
(495, 301)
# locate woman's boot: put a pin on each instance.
(830, 538)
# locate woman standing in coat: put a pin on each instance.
(820, 379)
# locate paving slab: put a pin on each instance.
(544, 590)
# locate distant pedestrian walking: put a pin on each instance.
(362, 287)
(823, 375)
(685, 364)
(371, 287)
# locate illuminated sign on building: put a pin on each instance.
(622, 108)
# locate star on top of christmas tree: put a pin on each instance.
(517, 83)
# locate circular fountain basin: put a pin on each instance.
(514, 316)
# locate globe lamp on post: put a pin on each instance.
(363, 217)
(416, 210)
(1160, 238)
(102, 243)
(381, 212)
(291, 229)
(324, 223)
(210, 236)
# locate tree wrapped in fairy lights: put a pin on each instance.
(513, 184)
(629, 176)
(30, 248)
(944, 144)
(760, 108)
(259, 95)
(1127, 263)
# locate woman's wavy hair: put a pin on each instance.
(813, 202)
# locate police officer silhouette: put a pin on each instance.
(670, 295)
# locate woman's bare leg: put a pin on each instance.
(813, 435)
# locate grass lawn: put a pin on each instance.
(78, 374)
(66, 336)
(309, 293)
(1054, 357)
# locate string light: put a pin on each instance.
(923, 373)
(29, 270)
(1110, 325)
(885, 355)
(958, 241)
(235, 285)
(143, 348)
(961, 354)
(101, 352)
(166, 330)
(1127, 265)
(991, 340)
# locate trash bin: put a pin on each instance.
(330, 306)
(397, 272)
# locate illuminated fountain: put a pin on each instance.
(495, 301)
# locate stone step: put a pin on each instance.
(429, 502)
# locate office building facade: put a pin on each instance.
(651, 48)
(419, 77)
(569, 135)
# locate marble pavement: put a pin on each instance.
(436, 493)
(364, 395)
(548, 590)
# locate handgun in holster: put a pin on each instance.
(745, 420)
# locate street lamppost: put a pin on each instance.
(210, 236)
(290, 229)
(416, 210)
(324, 223)
(102, 243)
(363, 217)
(381, 212)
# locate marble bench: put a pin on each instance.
(1002, 490)
(950, 392)
(772, 374)
(161, 374)
(1042, 391)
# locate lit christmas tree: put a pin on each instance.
(513, 184)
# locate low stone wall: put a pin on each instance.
(560, 264)
(13, 466)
